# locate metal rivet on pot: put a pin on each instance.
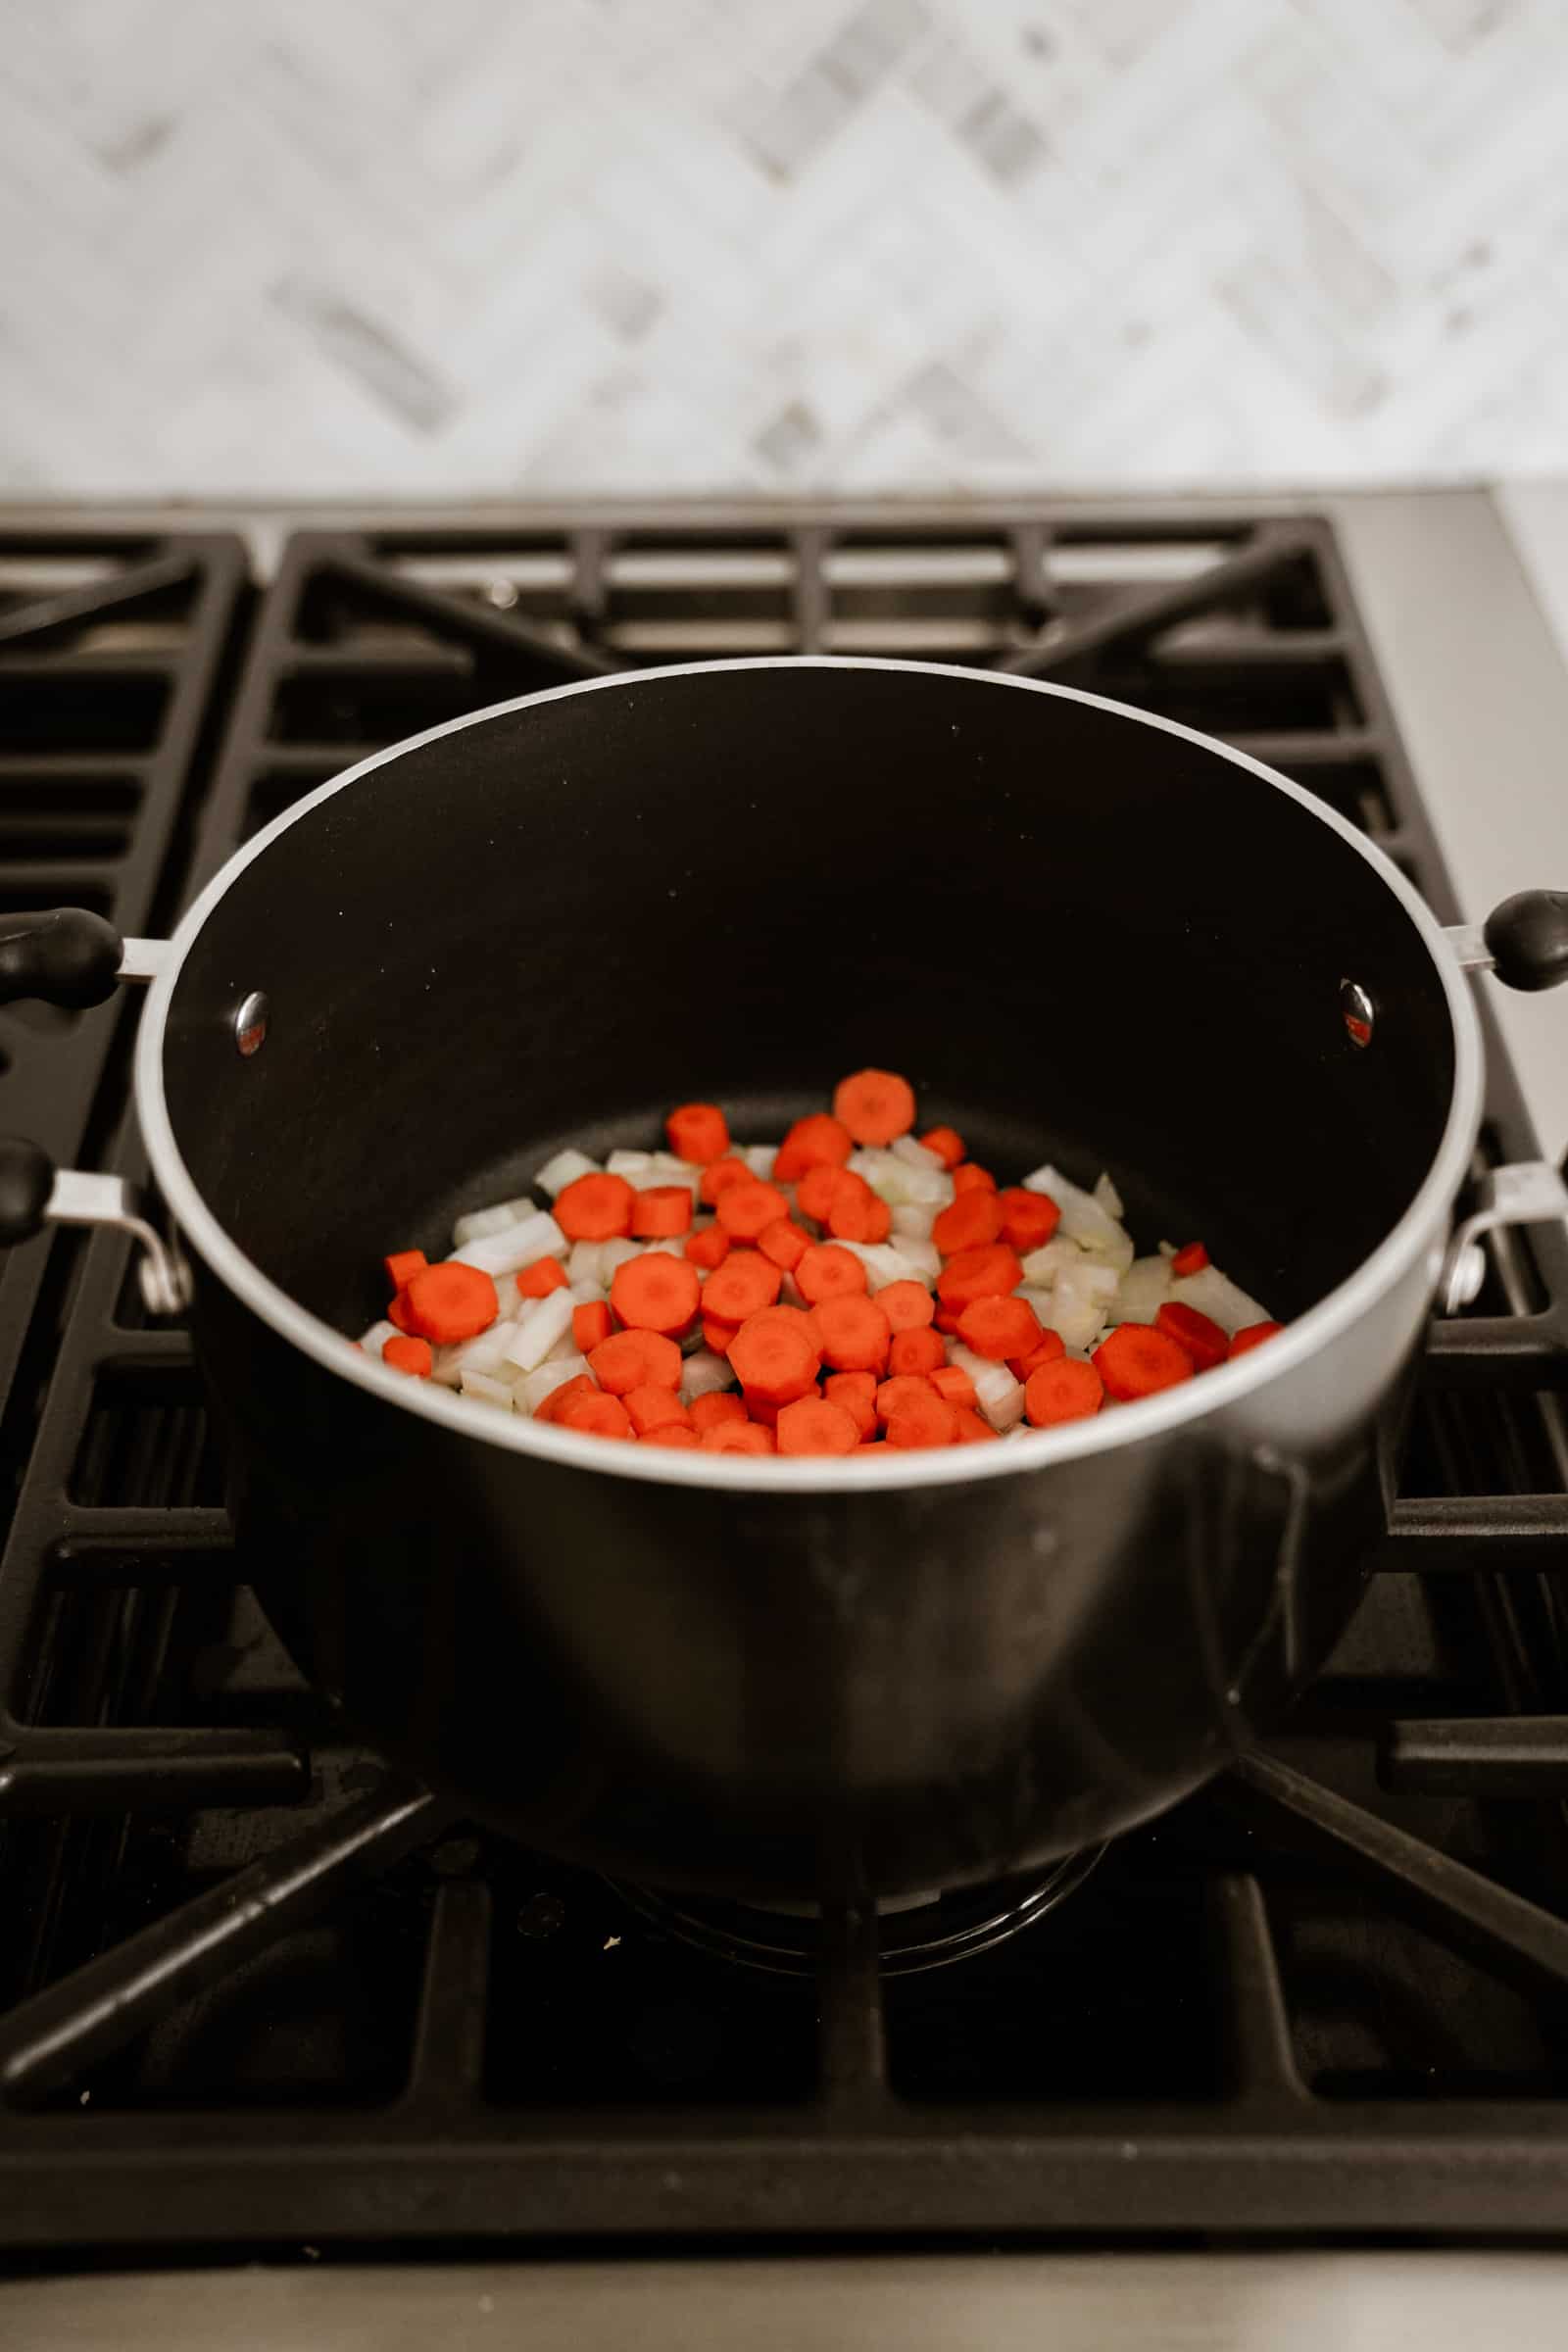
(1358, 1012)
(250, 1023)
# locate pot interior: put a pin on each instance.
(1080, 937)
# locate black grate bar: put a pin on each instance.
(453, 616)
(1492, 1351)
(100, 597)
(1064, 644)
(809, 589)
(1481, 1756)
(61, 1768)
(1440, 1535)
(84, 1563)
(852, 2056)
(1033, 585)
(1252, 2000)
(1503, 1930)
(100, 2007)
(449, 2038)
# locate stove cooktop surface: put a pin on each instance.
(257, 1996)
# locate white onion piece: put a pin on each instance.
(913, 1221)
(1143, 1291)
(1107, 1196)
(480, 1222)
(535, 1236)
(1083, 1220)
(917, 1155)
(1042, 1303)
(1080, 1301)
(534, 1337)
(630, 1164)
(487, 1390)
(759, 1158)
(1042, 1265)
(585, 1263)
(564, 1169)
(613, 1254)
(565, 1345)
(585, 1294)
(883, 1264)
(704, 1374)
(1215, 1294)
(998, 1397)
(376, 1338)
(924, 1256)
(900, 1184)
(533, 1387)
(661, 1170)
(484, 1353)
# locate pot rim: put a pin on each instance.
(1259, 1369)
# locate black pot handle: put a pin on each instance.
(1526, 939)
(34, 1193)
(26, 1186)
(64, 956)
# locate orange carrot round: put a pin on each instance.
(717, 1335)
(817, 1142)
(403, 1265)
(545, 1275)
(946, 1142)
(554, 1405)
(969, 1177)
(720, 1176)
(1191, 1259)
(813, 1425)
(409, 1356)
(785, 1243)
(1136, 1361)
(722, 1405)
(828, 1272)
(855, 1334)
(591, 1326)
(952, 1382)
(672, 1432)
(631, 1359)
(397, 1311)
(1251, 1335)
(600, 1415)
(657, 1292)
(1049, 1349)
(996, 1328)
(908, 1306)
(971, 1430)
(1202, 1338)
(876, 1106)
(698, 1131)
(661, 1213)
(855, 1213)
(745, 1282)
(1066, 1391)
(773, 1361)
(746, 1210)
(916, 1351)
(737, 1437)
(707, 1249)
(650, 1406)
(989, 1272)
(595, 1208)
(967, 1223)
(893, 1393)
(919, 1421)
(857, 1392)
(1028, 1219)
(814, 1193)
(451, 1301)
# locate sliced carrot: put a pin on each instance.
(397, 1311)
(967, 1223)
(813, 1425)
(1251, 1335)
(927, 1420)
(1066, 1391)
(876, 1106)
(856, 1213)
(827, 1272)
(989, 1272)
(662, 1211)
(707, 1249)
(946, 1142)
(785, 1243)
(773, 1361)
(737, 1437)
(765, 1410)
(409, 1356)
(745, 1282)
(653, 1408)
(403, 1265)
(657, 1292)
(893, 1393)
(1204, 1340)
(973, 1431)
(1191, 1259)
(996, 1328)
(698, 1131)
(946, 1322)
(798, 1318)
(633, 1359)
(545, 1275)
(717, 1335)
(722, 1173)
(916, 1351)
(1049, 1349)
(814, 1193)
(601, 1416)
(451, 1301)
(908, 1306)
(553, 1405)
(952, 1382)
(672, 1432)
(591, 1326)
(746, 1210)
(854, 1335)
(1028, 1219)
(817, 1142)
(857, 1392)
(595, 1208)
(972, 1178)
(1136, 1361)
(706, 1412)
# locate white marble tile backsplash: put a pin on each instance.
(354, 246)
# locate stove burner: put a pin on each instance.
(915, 1932)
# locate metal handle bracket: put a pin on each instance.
(1525, 1192)
(77, 1199)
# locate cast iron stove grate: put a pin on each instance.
(258, 1994)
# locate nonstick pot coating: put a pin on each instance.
(1080, 937)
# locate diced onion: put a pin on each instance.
(1143, 1291)
(480, 1222)
(913, 1220)
(534, 1337)
(564, 1169)
(1081, 1297)
(533, 1387)
(480, 1385)
(924, 1256)
(630, 1164)
(1044, 1264)
(894, 1180)
(759, 1158)
(1083, 1219)
(518, 1245)
(376, 1338)
(1215, 1294)
(586, 1263)
(585, 1294)
(484, 1353)
(613, 1254)
(704, 1374)
(996, 1395)
(1107, 1196)
(915, 1155)
(1041, 1301)
(883, 1263)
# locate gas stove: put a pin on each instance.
(261, 1998)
